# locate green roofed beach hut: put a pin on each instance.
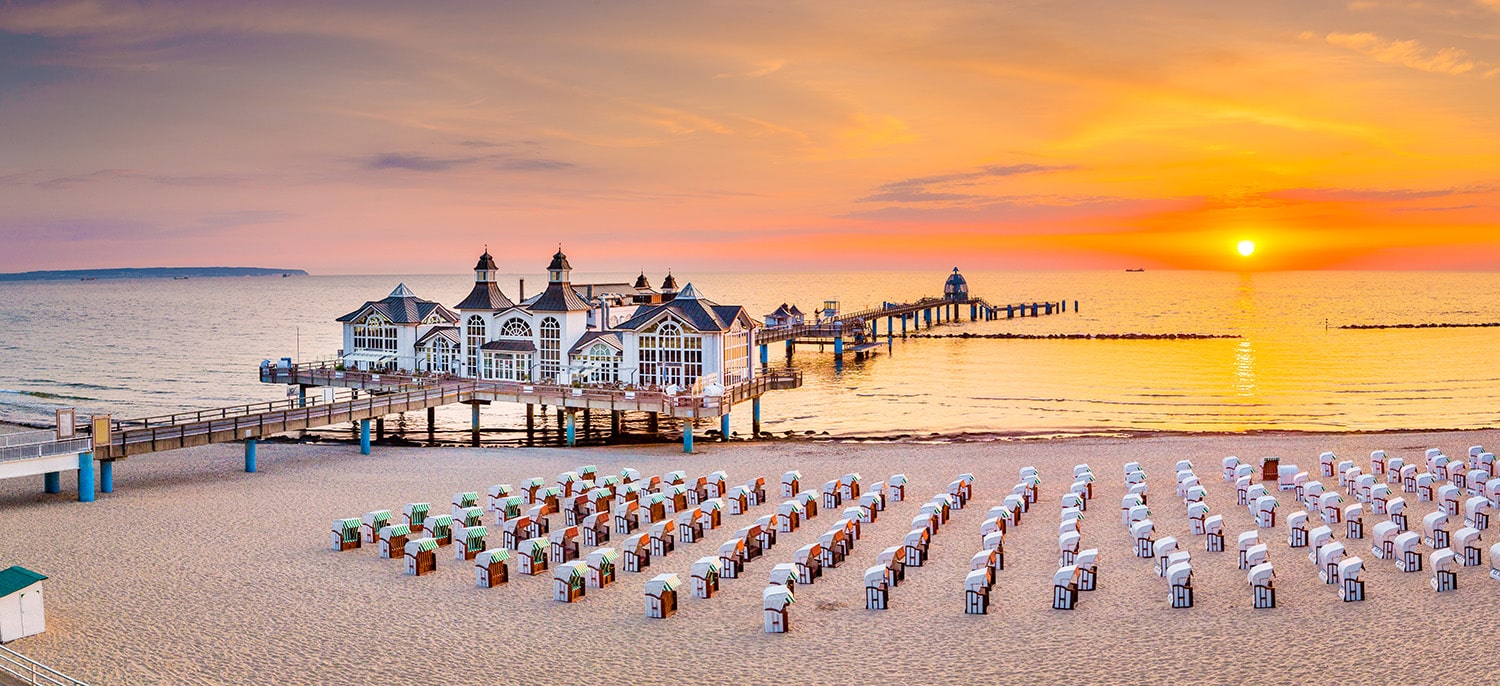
(345, 534)
(469, 542)
(21, 607)
(489, 568)
(661, 595)
(393, 538)
(421, 556)
(568, 581)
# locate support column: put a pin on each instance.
(614, 423)
(903, 325)
(301, 395)
(572, 420)
(249, 456)
(791, 345)
(107, 476)
(530, 418)
(364, 436)
(724, 429)
(765, 355)
(687, 435)
(755, 417)
(653, 423)
(85, 477)
(380, 428)
(1010, 312)
(431, 419)
(52, 482)
(838, 340)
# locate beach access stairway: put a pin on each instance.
(16, 668)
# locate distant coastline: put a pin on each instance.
(147, 273)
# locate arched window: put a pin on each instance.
(670, 355)
(551, 349)
(602, 363)
(375, 333)
(474, 336)
(515, 327)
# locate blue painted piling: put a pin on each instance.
(250, 455)
(687, 436)
(364, 436)
(52, 482)
(107, 476)
(724, 429)
(85, 477)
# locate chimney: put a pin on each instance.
(523, 290)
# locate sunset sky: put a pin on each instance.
(404, 136)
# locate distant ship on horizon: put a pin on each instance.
(1137, 269)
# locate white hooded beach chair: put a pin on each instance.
(894, 559)
(1330, 508)
(1265, 512)
(496, 493)
(1296, 530)
(602, 565)
(897, 485)
(976, 592)
(531, 559)
(1246, 541)
(1435, 530)
(1138, 513)
(1380, 495)
(1318, 538)
(661, 596)
(1087, 563)
(372, 523)
(1377, 462)
(1197, 511)
(1194, 494)
(874, 501)
(1363, 486)
(663, 537)
(1180, 577)
(1329, 557)
(1444, 570)
(993, 525)
(1354, 521)
(1230, 463)
(916, 546)
(1255, 555)
(1477, 512)
(809, 562)
(731, 558)
(595, 529)
(1126, 503)
(1262, 580)
(393, 539)
(1346, 470)
(1407, 557)
(784, 573)
(791, 484)
(985, 559)
(790, 516)
(1409, 478)
(1448, 496)
(768, 526)
(1065, 588)
(1144, 534)
(1286, 477)
(1495, 562)
(1351, 580)
(1325, 464)
(1383, 540)
(1067, 545)
(996, 542)
(464, 501)
(568, 581)
(1393, 467)
(1395, 511)
(1213, 529)
(831, 497)
(738, 500)
(775, 600)
(1164, 548)
(415, 516)
(468, 541)
(1466, 546)
(1311, 492)
(1426, 482)
(489, 568)
(704, 580)
(877, 588)
(421, 556)
(345, 534)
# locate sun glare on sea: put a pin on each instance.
(1246, 248)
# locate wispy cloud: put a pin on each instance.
(430, 163)
(1406, 53)
(921, 188)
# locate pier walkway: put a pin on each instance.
(863, 327)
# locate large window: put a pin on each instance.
(601, 363)
(375, 333)
(736, 355)
(439, 355)
(515, 328)
(474, 337)
(506, 366)
(551, 349)
(670, 356)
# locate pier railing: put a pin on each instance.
(31, 672)
(198, 416)
(55, 447)
(28, 438)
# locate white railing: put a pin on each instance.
(56, 447)
(28, 438)
(31, 672)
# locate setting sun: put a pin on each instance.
(1246, 248)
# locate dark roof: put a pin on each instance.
(402, 307)
(486, 262)
(485, 296)
(559, 261)
(17, 578)
(588, 339)
(669, 283)
(559, 297)
(510, 346)
(699, 312)
(795, 311)
(642, 282)
(781, 311)
(448, 332)
(955, 278)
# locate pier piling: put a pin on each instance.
(572, 427)
(614, 423)
(431, 419)
(364, 434)
(755, 417)
(724, 428)
(249, 457)
(765, 355)
(85, 477)
(687, 435)
(107, 476)
(52, 482)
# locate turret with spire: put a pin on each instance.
(559, 296)
(486, 294)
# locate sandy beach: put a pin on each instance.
(193, 571)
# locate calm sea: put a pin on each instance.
(140, 347)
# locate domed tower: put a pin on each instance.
(642, 283)
(956, 289)
(486, 293)
(669, 284)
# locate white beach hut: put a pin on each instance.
(1262, 580)
(1435, 530)
(372, 523)
(1444, 570)
(1351, 580)
(1407, 557)
(877, 588)
(1180, 577)
(345, 534)
(1466, 545)
(489, 568)
(1383, 540)
(809, 563)
(602, 564)
(1329, 557)
(420, 556)
(1065, 588)
(1213, 531)
(22, 604)
(1296, 530)
(469, 541)
(661, 596)
(1354, 521)
(568, 581)
(704, 579)
(775, 600)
